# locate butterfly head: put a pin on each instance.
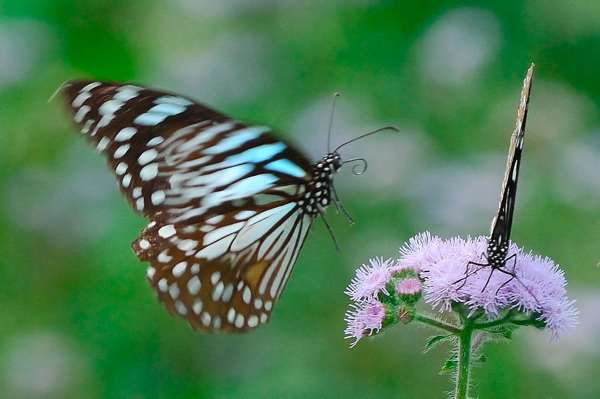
(330, 163)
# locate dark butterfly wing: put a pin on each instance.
(226, 226)
(176, 160)
(227, 273)
(502, 223)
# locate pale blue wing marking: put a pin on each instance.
(287, 167)
(256, 154)
(237, 139)
(244, 188)
(158, 113)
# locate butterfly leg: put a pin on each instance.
(469, 273)
(511, 274)
(489, 278)
(339, 206)
(330, 230)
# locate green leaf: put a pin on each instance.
(507, 333)
(434, 341)
(449, 366)
(482, 358)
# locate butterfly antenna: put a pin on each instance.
(335, 96)
(58, 90)
(360, 167)
(362, 136)
(330, 230)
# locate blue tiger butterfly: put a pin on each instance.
(229, 205)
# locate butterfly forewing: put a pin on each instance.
(177, 160)
(502, 223)
(223, 199)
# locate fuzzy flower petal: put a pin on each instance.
(362, 319)
(370, 279)
(419, 250)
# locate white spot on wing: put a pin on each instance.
(194, 285)
(147, 156)
(158, 197)
(179, 269)
(149, 172)
(125, 134)
(166, 231)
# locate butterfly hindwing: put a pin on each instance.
(177, 160)
(228, 272)
(502, 223)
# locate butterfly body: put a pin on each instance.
(318, 193)
(229, 205)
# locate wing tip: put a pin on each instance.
(529, 74)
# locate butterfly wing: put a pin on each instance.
(177, 160)
(222, 197)
(227, 273)
(502, 223)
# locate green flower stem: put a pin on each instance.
(437, 323)
(464, 361)
(464, 333)
(526, 322)
(494, 323)
(508, 319)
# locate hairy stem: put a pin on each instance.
(494, 323)
(508, 319)
(464, 361)
(437, 324)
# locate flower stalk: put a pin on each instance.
(464, 361)
(438, 324)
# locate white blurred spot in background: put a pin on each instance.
(461, 196)
(23, 45)
(41, 364)
(69, 205)
(233, 8)
(212, 9)
(577, 349)
(393, 157)
(559, 113)
(308, 129)
(458, 45)
(577, 173)
(232, 68)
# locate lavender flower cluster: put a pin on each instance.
(384, 291)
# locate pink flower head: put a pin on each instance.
(363, 318)
(408, 286)
(538, 288)
(418, 251)
(370, 279)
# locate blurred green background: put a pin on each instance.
(77, 319)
